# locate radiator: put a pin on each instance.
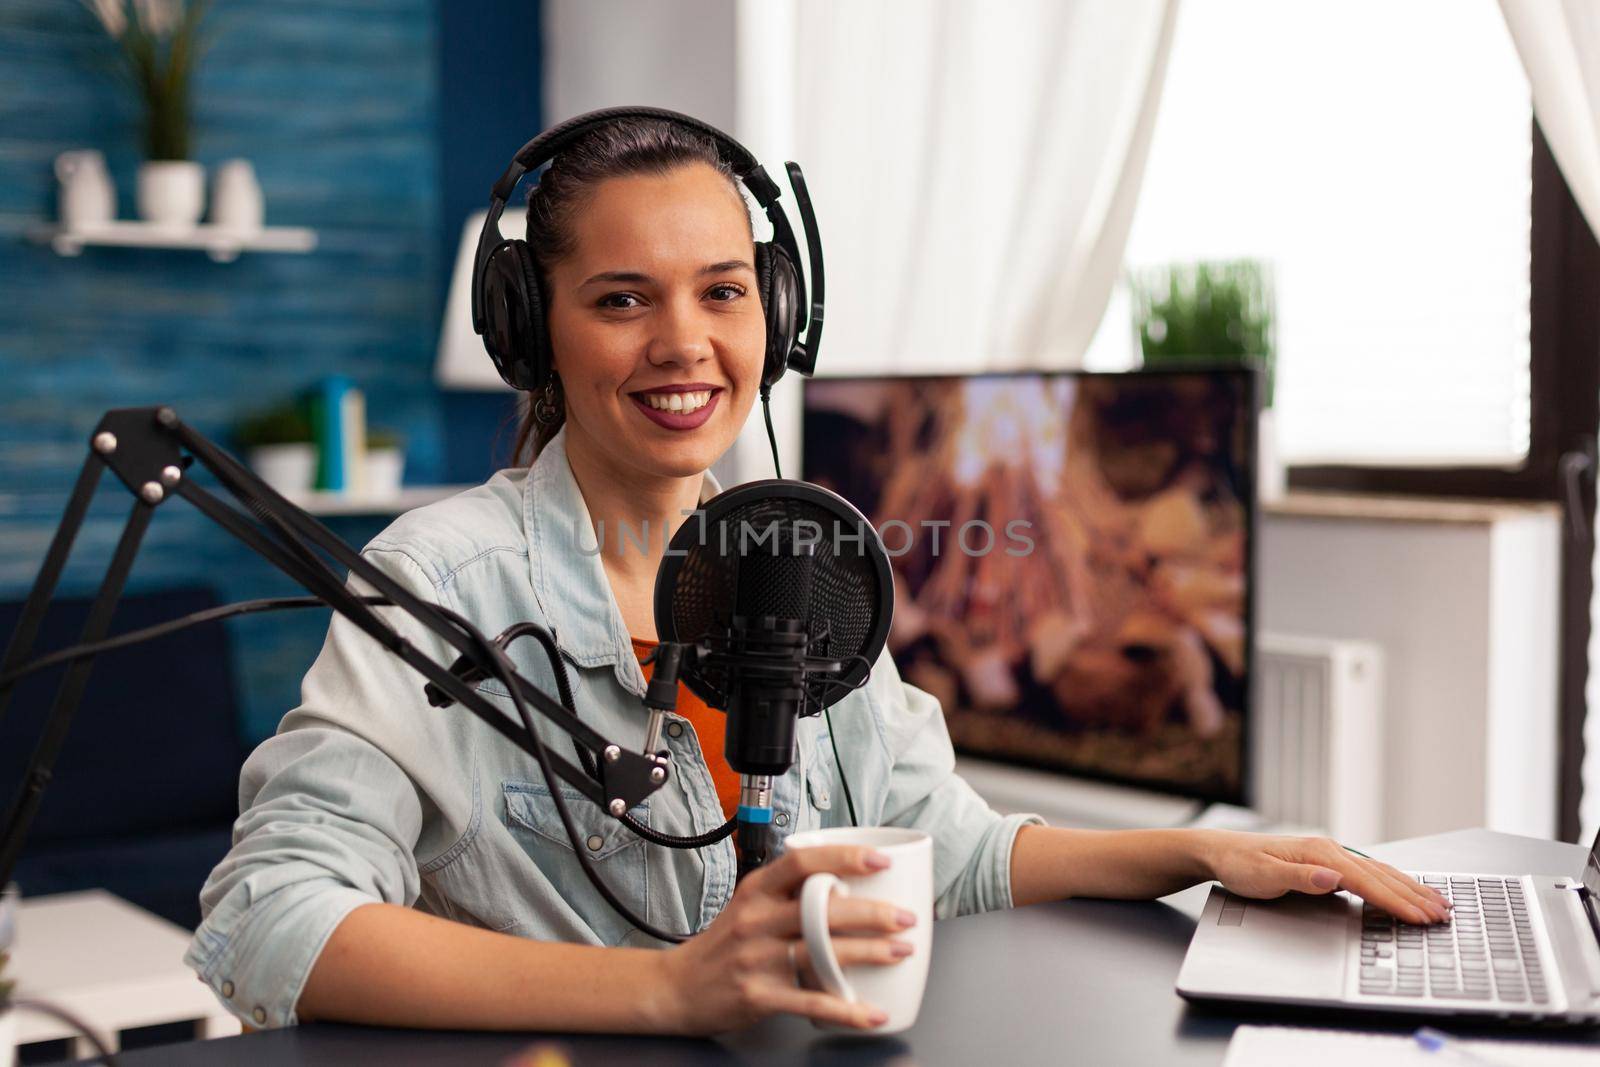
(1316, 750)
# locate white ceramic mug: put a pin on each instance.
(906, 883)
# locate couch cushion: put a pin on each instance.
(154, 747)
(161, 873)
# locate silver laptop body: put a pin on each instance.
(1524, 948)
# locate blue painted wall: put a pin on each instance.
(490, 104)
(341, 107)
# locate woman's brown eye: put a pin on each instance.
(606, 301)
(734, 290)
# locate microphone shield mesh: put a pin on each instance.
(783, 548)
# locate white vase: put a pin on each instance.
(87, 196)
(287, 468)
(1272, 479)
(384, 469)
(171, 192)
(236, 201)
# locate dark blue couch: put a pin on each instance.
(146, 789)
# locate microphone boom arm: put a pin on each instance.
(146, 448)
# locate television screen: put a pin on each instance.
(1072, 557)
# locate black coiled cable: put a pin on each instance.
(587, 758)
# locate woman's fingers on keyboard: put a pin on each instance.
(1367, 880)
(1394, 893)
(1435, 908)
(1403, 897)
(1427, 892)
(1382, 885)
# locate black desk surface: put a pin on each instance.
(1079, 982)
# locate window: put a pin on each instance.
(1377, 154)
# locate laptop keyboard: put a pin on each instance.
(1485, 952)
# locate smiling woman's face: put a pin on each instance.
(658, 294)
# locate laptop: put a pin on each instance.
(1525, 948)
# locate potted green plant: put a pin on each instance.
(280, 447)
(386, 462)
(160, 44)
(1214, 313)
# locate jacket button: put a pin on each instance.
(260, 1016)
(782, 818)
(674, 729)
(595, 842)
(227, 989)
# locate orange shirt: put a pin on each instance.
(710, 726)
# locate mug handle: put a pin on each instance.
(814, 925)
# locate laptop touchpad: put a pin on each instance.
(1291, 948)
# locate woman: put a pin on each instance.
(402, 865)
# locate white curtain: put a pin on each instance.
(976, 165)
(1559, 42)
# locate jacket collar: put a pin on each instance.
(569, 580)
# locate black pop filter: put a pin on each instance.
(737, 555)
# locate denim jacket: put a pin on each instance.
(367, 793)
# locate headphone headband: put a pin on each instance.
(781, 258)
(551, 142)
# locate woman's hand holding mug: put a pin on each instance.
(747, 964)
(905, 885)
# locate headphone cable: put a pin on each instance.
(772, 438)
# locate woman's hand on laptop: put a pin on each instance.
(1264, 866)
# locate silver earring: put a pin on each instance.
(546, 407)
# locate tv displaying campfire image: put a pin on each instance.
(1072, 559)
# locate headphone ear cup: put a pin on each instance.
(780, 300)
(509, 307)
(763, 273)
(537, 363)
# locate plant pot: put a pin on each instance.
(171, 192)
(384, 469)
(287, 468)
(1272, 478)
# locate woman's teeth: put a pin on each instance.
(683, 403)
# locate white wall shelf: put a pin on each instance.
(1376, 507)
(221, 243)
(321, 502)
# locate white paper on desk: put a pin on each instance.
(1274, 1046)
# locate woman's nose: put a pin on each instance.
(682, 335)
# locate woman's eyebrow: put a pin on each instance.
(635, 276)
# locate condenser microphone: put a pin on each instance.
(784, 591)
(768, 641)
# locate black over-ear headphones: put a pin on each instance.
(508, 304)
